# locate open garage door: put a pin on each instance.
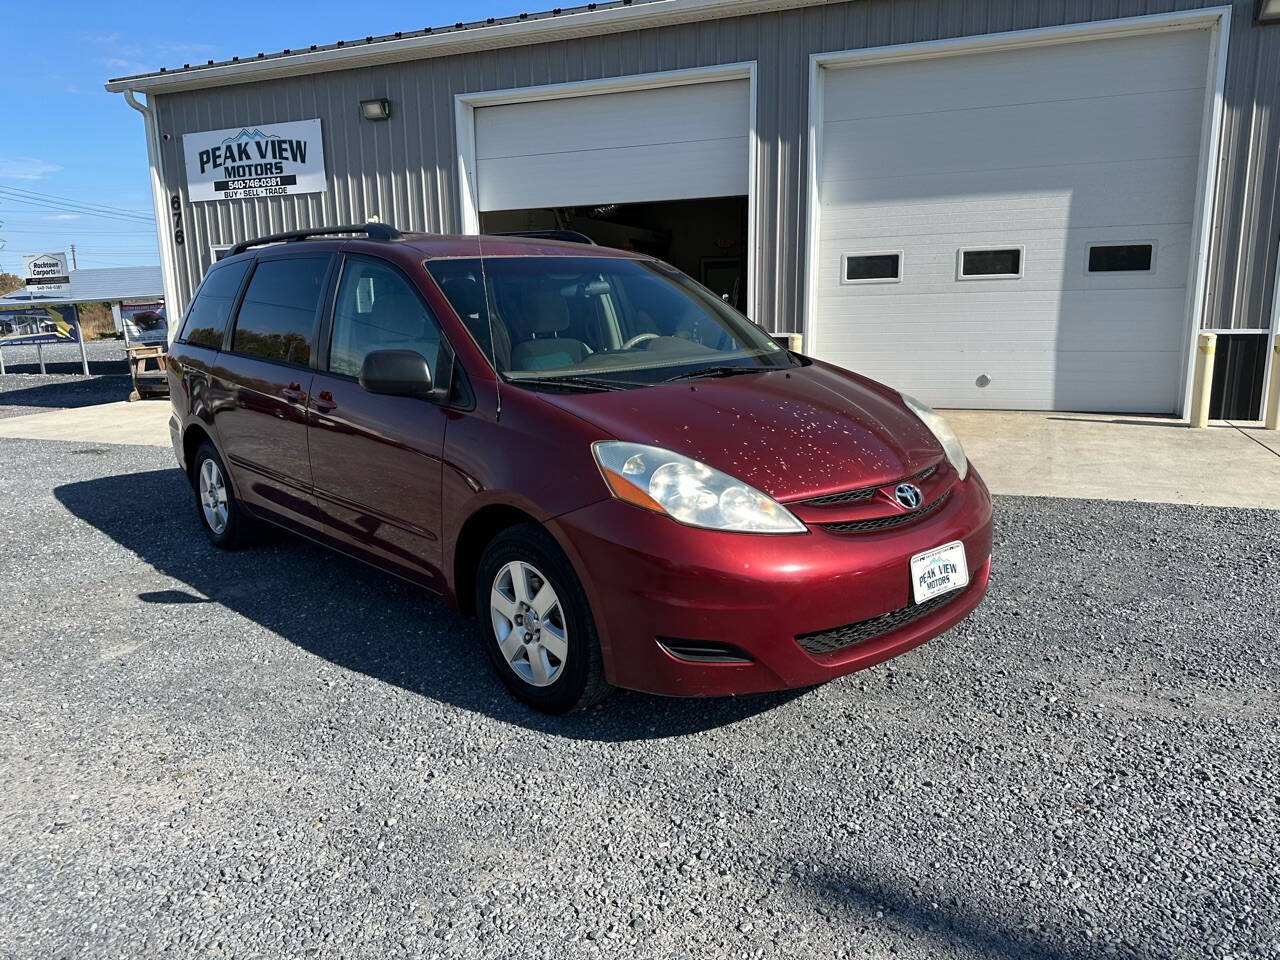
(659, 167)
(1014, 228)
(670, 143)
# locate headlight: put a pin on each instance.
(688, 491)
(939, 427)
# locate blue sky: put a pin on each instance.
(67, 138)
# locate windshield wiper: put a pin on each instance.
(580, 383)
(702, 372)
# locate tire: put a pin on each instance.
(220, 515)
(560, 669)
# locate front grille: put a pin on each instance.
(829, 641)
(849, 496)
(865, 493)
(884, 523)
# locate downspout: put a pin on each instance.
(168, 256)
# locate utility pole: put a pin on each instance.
(73, 257)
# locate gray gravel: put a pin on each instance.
(282, 753)
(105, 357)
(24, 390)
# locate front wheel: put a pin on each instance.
(539, 632)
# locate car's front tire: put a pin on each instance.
(220, 515)
(537, 624)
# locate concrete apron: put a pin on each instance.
(1076, 455)
(1108, 457)
(144, 422)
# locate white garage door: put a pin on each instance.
(670, 143)
(1013, 229)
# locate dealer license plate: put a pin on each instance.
(939, 571)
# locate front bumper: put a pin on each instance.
(648, 577)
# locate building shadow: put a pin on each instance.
(362, 619)
(943, 920)
(1125, 421)
(81, 392)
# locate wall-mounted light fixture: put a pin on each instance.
(1267, 11)
(376, 109)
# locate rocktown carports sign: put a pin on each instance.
(263, 160)
(46, 274)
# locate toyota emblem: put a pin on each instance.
(907, 494)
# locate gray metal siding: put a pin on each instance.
(405, 170)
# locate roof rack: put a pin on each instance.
(374, 231)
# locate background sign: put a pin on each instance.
(266, 160)
(145, 322)
(23, 325)
(46, 274)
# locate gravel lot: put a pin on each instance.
(281, 753)
(24, 390)
(105, 356)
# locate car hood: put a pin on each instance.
(793, 434)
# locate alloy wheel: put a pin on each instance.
(213, 497)
(529, 623)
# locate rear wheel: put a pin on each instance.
(220, 514)
(539, 632)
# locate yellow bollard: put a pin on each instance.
(1202, 383)
(1273, 391)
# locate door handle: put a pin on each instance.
(294, 393)
(324, 401)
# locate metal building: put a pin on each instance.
(989, 203)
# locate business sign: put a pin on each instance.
(24, 325)
(144, 322)
(266, 160)
(46, 274)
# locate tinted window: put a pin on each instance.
(991, 263)
(378, 310)
(1114, 258)
(277, 316)
(872, 266)
(207, 318)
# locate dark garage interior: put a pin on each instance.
(705, 238)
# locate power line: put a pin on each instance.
(66, 227)
(64, 208)
(106, 207)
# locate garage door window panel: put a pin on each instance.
(377, 309)
(990, 263)
(1121, 257)
(880, 267)
(277, 317)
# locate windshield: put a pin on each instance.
(621, 321)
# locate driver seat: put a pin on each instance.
(548, 350)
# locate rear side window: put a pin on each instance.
(277, 316)
(378, 310)
(207, 319)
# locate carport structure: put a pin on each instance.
(119, 287)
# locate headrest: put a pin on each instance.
(550, 312)
(464, 295)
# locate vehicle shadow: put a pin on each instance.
(360, 619)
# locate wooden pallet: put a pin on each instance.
(152, 382)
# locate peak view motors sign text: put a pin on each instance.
(259, 160)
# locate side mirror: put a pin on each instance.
(399, 373)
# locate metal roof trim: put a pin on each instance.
(542, 27)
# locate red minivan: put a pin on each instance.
(629, 482)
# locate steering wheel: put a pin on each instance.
(638, 339)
